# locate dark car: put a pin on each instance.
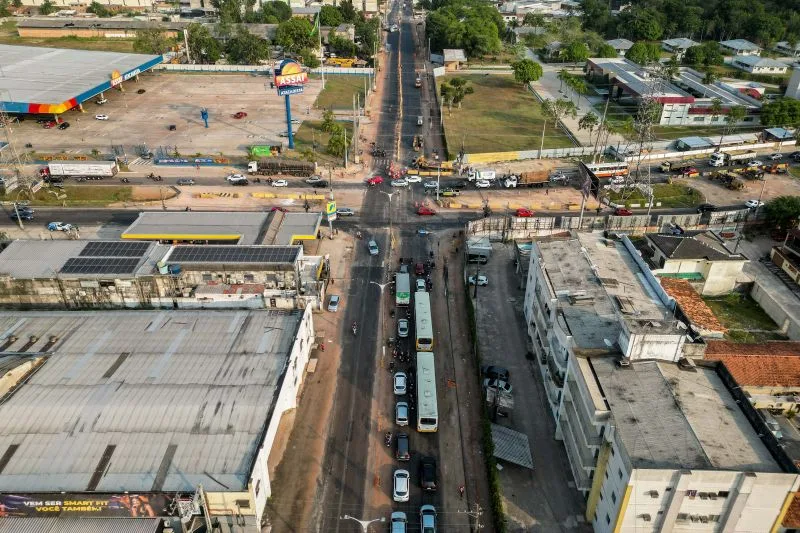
(427, 474)
(140, 91)
(320, 184)
(455, 185)
(63, 125)
(702, 208)
(22, 215)
(496, 372)
(403, 450)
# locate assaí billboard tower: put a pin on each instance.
(290, 78)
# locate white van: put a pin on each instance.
(419, 121)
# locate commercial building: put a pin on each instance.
(94, 28)
(685, 101)
(759, 65)
(55, 80)
(146, 415)
(699, 257)
(70, 274)
(740, 47)
(620, 45)
(654, 441)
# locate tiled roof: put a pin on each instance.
(693, 245)
(792, 518)
(692, 305)
(762, 370)
(719, 348)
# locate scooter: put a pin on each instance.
(125, 180)
(388, 438)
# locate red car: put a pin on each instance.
(49, 125)
(622, 212)
(425, 211)
(375, 180)
(522, 212)
(240, 114)
(419, 269)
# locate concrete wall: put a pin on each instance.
(719, 276)
(787, 322)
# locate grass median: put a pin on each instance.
(84, 195)
(500, 116)
(339, 90)
(670, 195)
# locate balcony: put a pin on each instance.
(582, 481)
(581, 426)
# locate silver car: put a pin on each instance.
(402, 328)
(373, 248)
(333, 303)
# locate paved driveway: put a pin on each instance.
(541, 500)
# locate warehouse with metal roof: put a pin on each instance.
(54, 80)
(146, 403)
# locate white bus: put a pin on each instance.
(427, 406)
(608, 170)
(423, 326)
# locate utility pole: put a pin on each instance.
(475, 513)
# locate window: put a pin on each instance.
(258, 487)
(249, 278)
(608, 519)
(620, 473)
(723, 493)
(612, 451)
(206, 277)
(613, 497)
(606, 474)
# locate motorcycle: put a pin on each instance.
(355, 329)
(125, 180)
(387, 439)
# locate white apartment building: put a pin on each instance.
(653, 445)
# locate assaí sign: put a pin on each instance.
(117, 78)
(290, 73)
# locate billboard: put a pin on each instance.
(57, 504)
(290, 77)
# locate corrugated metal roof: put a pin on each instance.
(179, 224)
(79, 525)
(511, 446)
(142, 381)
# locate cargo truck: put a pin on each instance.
(481, 175)
(402, 285)
(719, 159)
(678, 167)
(279, 165)
(58, 171)
(527, 179)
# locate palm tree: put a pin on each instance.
(715, 108)
(563, 76)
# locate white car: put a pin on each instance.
(295, 122)
(421, 285)
(280, 183)
(401, 413)
(430, 184)
(776, 156)
(752, 204)
(483, 184)
(413, 178)
(235, 177)
(333, 304)
(401, 485)
(314, 179)
(372, 246)
(402, 182)
(499, 384)
(59, 226)
(618, 180)
(402, 328)
(482, 280)
(755, 163)
(101, 117)
(400, 382)
(399, 522)
(283, 134)
(101, 101)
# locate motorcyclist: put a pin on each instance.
(355, 328)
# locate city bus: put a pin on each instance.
(608, 170)
(402, 286)
(427, 407)
(423, 329)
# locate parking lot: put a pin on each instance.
(542, 499)
(175, 99)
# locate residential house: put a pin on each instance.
(740, 47)
(620, 45)
(701, 319)
(759, 65)
(553, 50)
(784, 47)
(678, 46)
(454, 58)
(523, 31)
(696, 256)
(308, 12)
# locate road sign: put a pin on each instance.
(331, 217)
(330, 209)
(290, 89)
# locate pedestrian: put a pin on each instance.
(547, 192)
(461, 491)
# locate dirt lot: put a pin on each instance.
(176, 99)
(775, 185)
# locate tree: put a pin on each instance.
(534, 20)
(576, 52)
(783, 112)
(203, 48)
(589, 121)
(605, 50)
(309, 57)
(454, 91)
(16, 3)
(715, 108)
(526, 71)
(342, 46)
(643, 53)
(280, 10)
(5, 11)
(336, 144)
(367, 34)
(555, 111)
(244, 48)
(783, 212)
(329, 123)
(563, 76)
(330, 16)
(295, 34)
(47, 7)
(348, 12)
(99, 9)
(732, 118)
(151, 41)
(709, 77)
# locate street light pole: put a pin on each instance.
(363, 523)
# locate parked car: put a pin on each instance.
(400, 487)
(402, 182)
(399, 522)
(402, 450)
(280, 183)
(141, 91)
(755, 163)
(101, 117)
(483, 184)
(239, 114)
(333, 303)
(702, 208)
(63, 125)
(401, 413)
(101, 101)
(427, 474)
(22, 215)
(345, 212)
(375, 180)
(431, 184)
(185, 181)
(373, 247)
(402, 327)
(59, 226)
(776, 156)
(413, 178)
(450, 192)
(427, 518)
(482, 280)
(523, 212)
(495, 372)
(622, 212)
(425, 211)
(752, 204)
(400, 383)
(499, 384)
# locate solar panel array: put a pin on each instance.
(234, 254)
(100, 265)
(114, 249)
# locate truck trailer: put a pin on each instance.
(719, 159)
(527, 179)
(280, 165)
(57, 171)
